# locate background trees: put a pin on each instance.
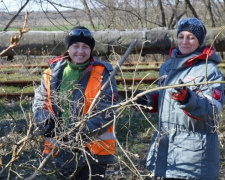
(110, 14)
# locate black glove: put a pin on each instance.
(48, 128)
(180, 94)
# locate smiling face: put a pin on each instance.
(79, 52)
(187, 42)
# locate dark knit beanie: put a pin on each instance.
(193, 25)
(79, 34)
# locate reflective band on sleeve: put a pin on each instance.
(105, 136)
(106, 147)
(51, 140)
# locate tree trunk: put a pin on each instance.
(191, 8)
(87, 10)
(208, 7)
(51, 42)
(146, 14)
(162, 14)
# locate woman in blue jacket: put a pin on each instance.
(186, 145)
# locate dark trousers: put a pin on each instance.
(97, 172)
(159, 178)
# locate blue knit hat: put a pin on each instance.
(193, 25)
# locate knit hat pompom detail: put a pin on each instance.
(193, 25)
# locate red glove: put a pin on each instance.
(181, 94)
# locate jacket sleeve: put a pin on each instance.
(41, 113)
(153, 101)
(149, 100)
(102, 121)
(206, 104)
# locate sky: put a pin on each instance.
(35, 5)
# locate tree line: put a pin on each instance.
(116, 14)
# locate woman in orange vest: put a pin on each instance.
(84, 138)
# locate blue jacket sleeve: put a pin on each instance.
(206, 104)
(41, 113)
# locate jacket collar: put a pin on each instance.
(201, 54)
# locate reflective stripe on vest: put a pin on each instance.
(105, 143)
(49, 142)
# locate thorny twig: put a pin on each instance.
(14, 40)
(46, 159)
(20, 145)
(128, 102)
(80, 124)
(18, 149)
(206, 71)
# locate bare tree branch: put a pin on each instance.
(162, 13)
(208, 7)
(18, 12)
(88, 12)
(14, 41)
(191, 8)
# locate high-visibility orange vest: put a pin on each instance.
(47, 77)
(103, 144)
(49, 142)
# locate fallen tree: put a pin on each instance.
(157, 41)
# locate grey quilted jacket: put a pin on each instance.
(186, 144)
